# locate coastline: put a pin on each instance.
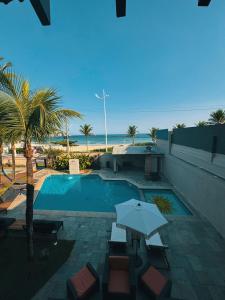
(80, 148)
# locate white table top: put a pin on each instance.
(154, 240)
(118, 234)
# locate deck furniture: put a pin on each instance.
(118, 240)
(154, 282)
(4, 205)
(83, 284)
(47, 226)
(118, 280)
(157, 251)
(4, 225)
(19, 187)
(41, 228)
(3, 210)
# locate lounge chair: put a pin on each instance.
(4, 205)
(45, 228)
(118, 280)
(157, 251)
(3, 210)
(118, 240)
(4, 225)
(19, 187)
(154, 282)
(83, 283)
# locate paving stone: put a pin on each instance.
(217, 292)
(196, 253)
(184, 290)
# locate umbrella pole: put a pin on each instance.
(138, 260)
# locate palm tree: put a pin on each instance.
(217, 117)
(131, 132)
(152, 133)
(2, 135)
(31, 116)
(3, 74)
(179, 125)
(201, 124)
(86, 130)
(5, 65)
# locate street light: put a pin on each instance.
(103, 97)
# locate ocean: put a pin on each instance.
(112, 139)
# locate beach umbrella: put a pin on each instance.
(139, 216)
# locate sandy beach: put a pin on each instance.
(80, 148)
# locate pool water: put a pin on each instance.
(83, 193)
(178, 208)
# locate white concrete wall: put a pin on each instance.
(103, 159)
(213, 163)
(203, 190)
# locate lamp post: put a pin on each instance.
(103, 97)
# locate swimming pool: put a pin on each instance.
(83, 193)
(177, 206)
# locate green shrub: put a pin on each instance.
(62, 162)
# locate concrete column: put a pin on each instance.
(158, 165)
(147, 166)
(114, 165)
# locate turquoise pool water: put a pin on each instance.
(83, 193)
(178, 208)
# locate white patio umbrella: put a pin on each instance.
(139, 216)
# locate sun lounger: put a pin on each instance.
(47, 226)
(157, 251)
(118, 240)
(41, 228)
(83, 284)
(4, 206)
(119, 279)
(4, 225)
(19, 187)
(3, 210)
(154, 283)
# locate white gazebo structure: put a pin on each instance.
(146, 158)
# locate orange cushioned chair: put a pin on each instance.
(118, 278)
(83, 283)
(154, 282)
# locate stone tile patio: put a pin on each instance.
(196, 254)
(135, 177)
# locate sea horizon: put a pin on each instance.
(99, 139)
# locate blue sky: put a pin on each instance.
(162, 64)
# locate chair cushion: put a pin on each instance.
(154, 280)
(83, 281)
(119, 282)
(119, 262)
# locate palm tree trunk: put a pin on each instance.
(87, 142)
(1, 165)
(29, 201)
(13, 148)
(133, 140)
